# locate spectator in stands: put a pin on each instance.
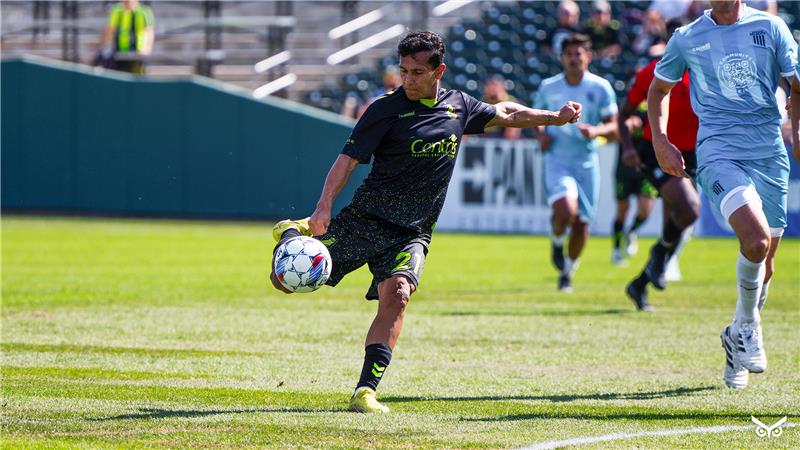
(127, 38)
(652, 40)
(670, 9)
(770, 6)
(603, 31)
(696, 9)
(569, 14)
(391, 81)
(494, 92)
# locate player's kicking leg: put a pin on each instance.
(393, 296)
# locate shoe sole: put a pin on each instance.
(360, 410)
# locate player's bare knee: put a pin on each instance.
(401, 290)
(685, 217)
(397, 292)
(755, 247)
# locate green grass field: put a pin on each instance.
(129, 333)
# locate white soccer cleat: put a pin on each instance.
(673, 272)
(632, 244)
(750, 346)
(736, 376)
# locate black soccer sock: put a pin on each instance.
(641, 281)
(671, 235)
(618, 226)
(376, 359)
(637, 222)
(288, 234)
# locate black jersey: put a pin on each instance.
(414, 146)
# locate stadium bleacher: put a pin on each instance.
(508, 38)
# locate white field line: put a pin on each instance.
(618, 436)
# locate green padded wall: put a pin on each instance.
(80, 140)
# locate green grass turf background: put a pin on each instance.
(134, 333)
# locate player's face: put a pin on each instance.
(575, 59)
(420, 80)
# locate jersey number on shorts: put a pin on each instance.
(403, 264)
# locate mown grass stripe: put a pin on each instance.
(149, 351)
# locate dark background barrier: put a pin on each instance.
(74, 139)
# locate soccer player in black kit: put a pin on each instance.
(413, 134)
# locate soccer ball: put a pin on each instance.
(302, 264)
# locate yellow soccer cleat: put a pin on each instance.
(300, 225)
(364, 401)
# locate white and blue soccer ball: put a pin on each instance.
(302, 264)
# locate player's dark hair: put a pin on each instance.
(423, 41)
(578, 39)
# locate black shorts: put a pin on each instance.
(630, 181)
(652, 170)
(355, 238)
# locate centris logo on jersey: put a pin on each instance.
(737, 71)
(446, 147)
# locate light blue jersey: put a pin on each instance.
(571, 166)
(599, 103)
(734, 72)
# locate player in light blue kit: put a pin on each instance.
(735, 56)
(571, 167)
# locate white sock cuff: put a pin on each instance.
(558, 240)
(571, 265)
(743, 261)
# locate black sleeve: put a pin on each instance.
(478, 114)
(367, 134)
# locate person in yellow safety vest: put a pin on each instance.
(128, 37)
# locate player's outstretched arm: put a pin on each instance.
(336, 180)
(514, 115)
(795, 117)
(669, 157)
